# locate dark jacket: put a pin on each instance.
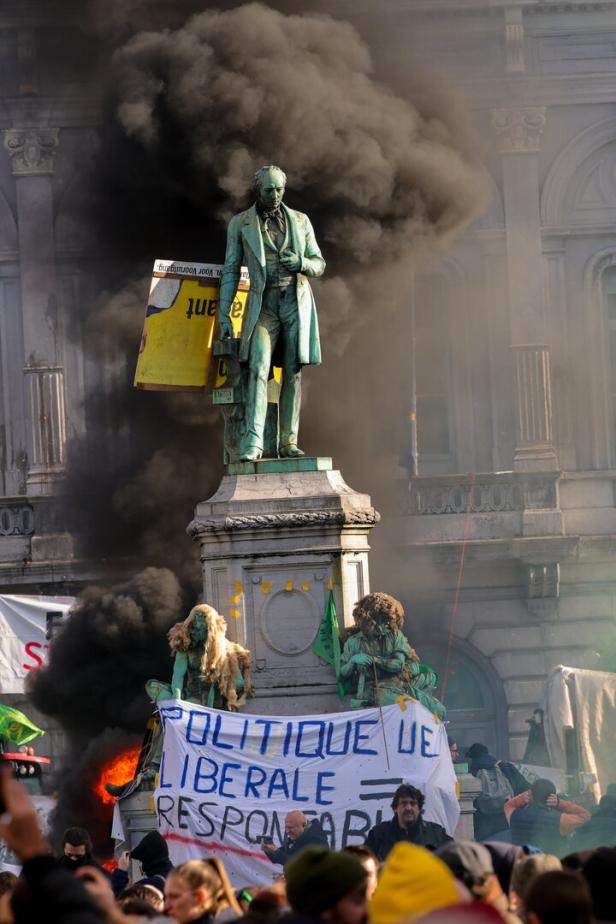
(53, 894)
(382, 837)
(540, 826)
(312, 836)
(153, 854)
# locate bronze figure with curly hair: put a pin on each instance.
(378, 656)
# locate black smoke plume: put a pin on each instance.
(190, 114)
(114, 641)
(190, 111)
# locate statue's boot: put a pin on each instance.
(288, 452)
(251, 454)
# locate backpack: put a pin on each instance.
(495, 791)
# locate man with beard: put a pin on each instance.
(406, 825)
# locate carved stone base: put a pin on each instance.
(272, 544)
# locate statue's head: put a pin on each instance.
(378, 613)
(194, 629)
(269, 185)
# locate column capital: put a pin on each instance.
(519, 130)
(32, 150)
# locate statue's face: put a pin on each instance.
(374, 627)
(270, 190)
(198, 629)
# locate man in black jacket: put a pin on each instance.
(406, 825)
(298, 834)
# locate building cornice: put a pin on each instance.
(540, 90)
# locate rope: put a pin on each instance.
(377, 697)
(456, 599)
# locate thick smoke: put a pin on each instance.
(114, 641)
(190, 113)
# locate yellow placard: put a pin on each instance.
(176, 344)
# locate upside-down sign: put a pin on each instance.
(228, 778)
(24, 621)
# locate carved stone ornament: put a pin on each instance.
(367, 517)
(519, 130)
(32, 150)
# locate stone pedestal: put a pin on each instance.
(274, 538)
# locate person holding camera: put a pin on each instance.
(298, 834)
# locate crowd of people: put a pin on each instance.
(409, 870)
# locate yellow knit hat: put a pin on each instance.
(413, 882)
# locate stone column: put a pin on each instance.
(32, 152)
(519, 134)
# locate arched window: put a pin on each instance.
(474, 697)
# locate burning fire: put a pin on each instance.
(118, 771)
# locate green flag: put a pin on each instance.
(17, 727)
(327, 643)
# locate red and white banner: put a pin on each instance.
(23, 642)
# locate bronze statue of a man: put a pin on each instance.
(280, 325)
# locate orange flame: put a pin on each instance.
(118, 771)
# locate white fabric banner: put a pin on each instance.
(23, 646)
(228, 778)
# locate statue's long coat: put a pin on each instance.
(245, 246)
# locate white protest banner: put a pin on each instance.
(23, 642)
(228, 778)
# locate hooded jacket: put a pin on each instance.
(153, 854)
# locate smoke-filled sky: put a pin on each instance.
(190, 110)
(189, 114)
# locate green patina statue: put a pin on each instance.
(377, 655)
(280, 325)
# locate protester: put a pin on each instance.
(599, 871)
(600, 831)
(298, 834)
(470, 913)
(266, 905)
(406, 825)
(412, 882)
(76, 849)
(524, 874)
(153, 855)
(48, 892)
(538, 816)
(559, 897)
(453, 749)
(198, 891)
(327, 885)
(146, 893)
(504, 858)
(471, 864)
(369, 863)
(500, 781)
(136, 909)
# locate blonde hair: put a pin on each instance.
(222, 659)
(209, 873)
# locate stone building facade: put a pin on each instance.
(515, 358)
(515, 341)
